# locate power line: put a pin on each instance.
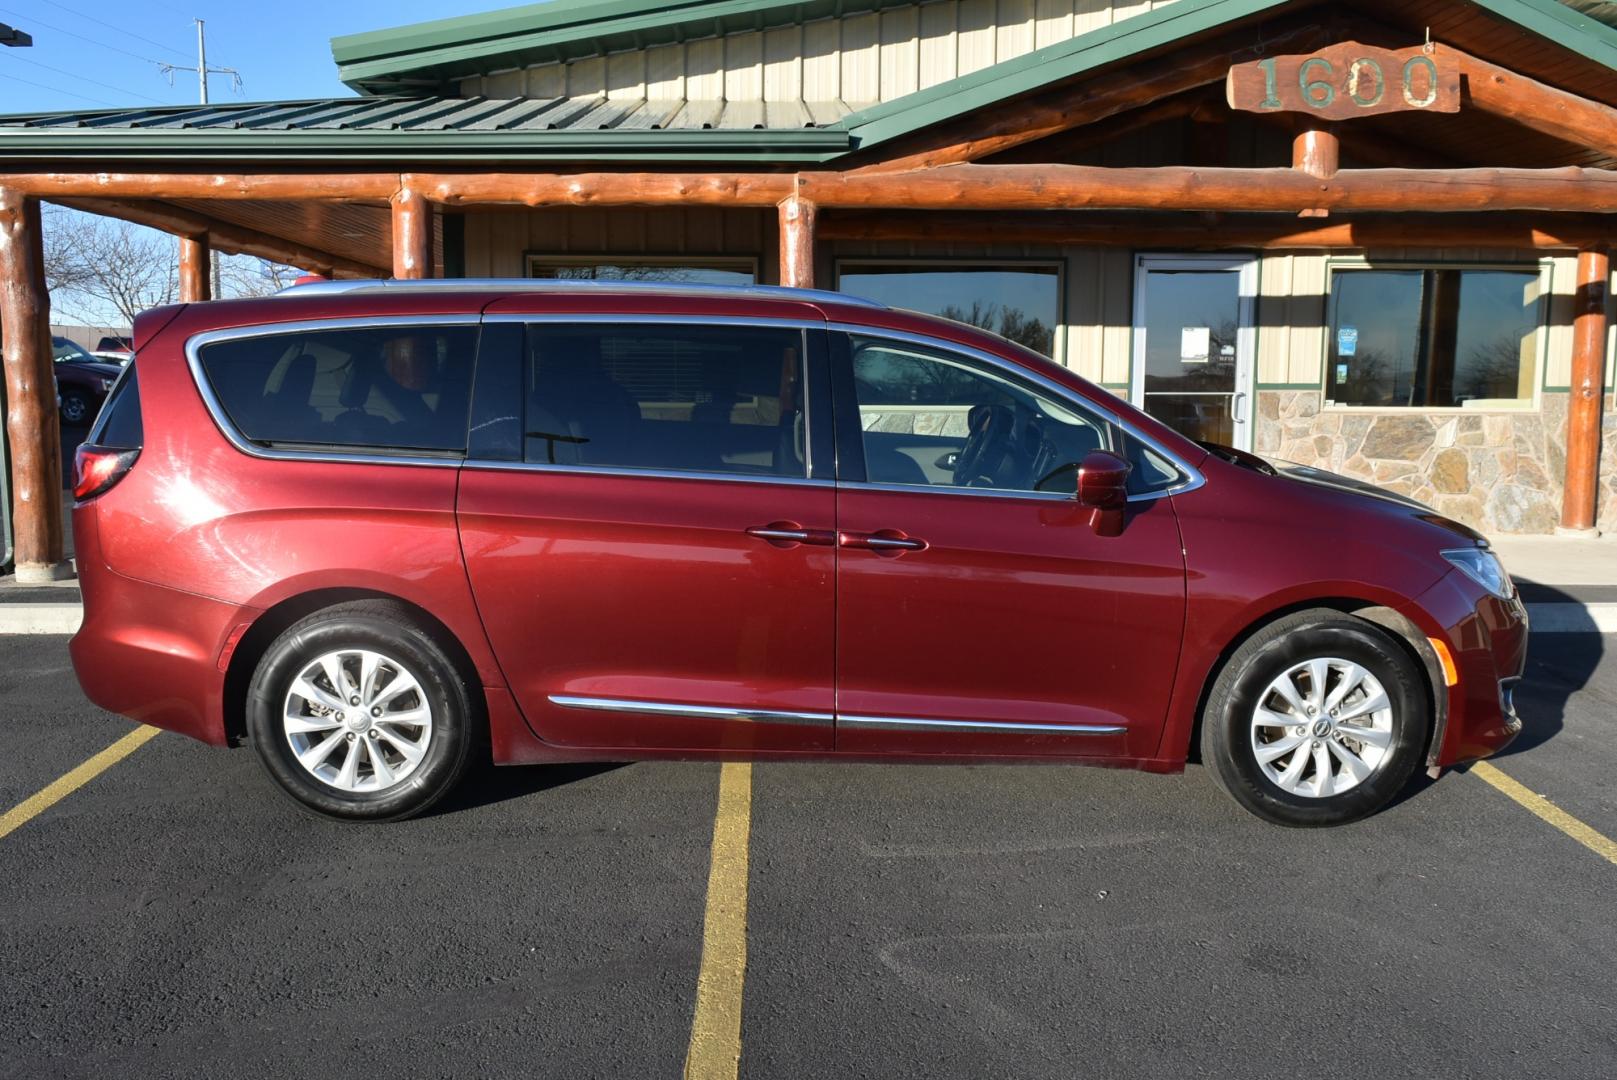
(102, 44)
(80, 78)
(54, 90)
(115, 29)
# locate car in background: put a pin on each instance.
(82, 380)
(118, 349)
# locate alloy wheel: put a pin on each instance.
(1321, 728)
(357, 720)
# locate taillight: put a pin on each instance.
(97, 468)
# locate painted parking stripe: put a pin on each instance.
(715, 1049)
(1596, 842)
(1598, 618)
(67, 784)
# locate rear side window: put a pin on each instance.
(368, 388)
(720, 399)
(119, 427)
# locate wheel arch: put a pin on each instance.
(274, 621)
(1399, 625)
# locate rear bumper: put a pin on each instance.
(148, 652)
(1488, 639)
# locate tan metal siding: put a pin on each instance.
(858, 59)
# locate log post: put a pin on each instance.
(1583, 411)
(1316, 152)
(798, 218)
(412, 235)
(195, 275)
(36, 442)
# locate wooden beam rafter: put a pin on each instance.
(1533, 104)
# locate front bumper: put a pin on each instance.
(1487, 637)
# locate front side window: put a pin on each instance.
(1019, 302)
(1433, 338)
(362, 388)
(932, 418)
(712, 399)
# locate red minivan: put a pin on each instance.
(375, 528)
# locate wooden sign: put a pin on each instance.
(1345, 81)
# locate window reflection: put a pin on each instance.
(1019, 303)
(684, 272)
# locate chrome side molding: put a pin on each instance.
(983, 726)
(699, 712)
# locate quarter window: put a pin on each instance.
(716, 399)
(936, 419)
(366, 388)
(1439, 338)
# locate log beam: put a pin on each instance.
(1583, 411)
(602, 189)
(412, 235)
(798, 221)
(222, 236)
(324, 187)
(195, 270)
(31, 424)
(1073, 187)
(1533, 104)
(1493, 232)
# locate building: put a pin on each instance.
(1359, 234)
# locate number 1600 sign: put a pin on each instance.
(1345, 81)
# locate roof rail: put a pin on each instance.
(533, 285)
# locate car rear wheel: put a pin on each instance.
(1319, 719)
(358, 713)
(75, 407)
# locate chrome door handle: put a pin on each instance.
(886, 541)
(783, 533)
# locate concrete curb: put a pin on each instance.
(41, 618)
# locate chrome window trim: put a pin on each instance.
(1193, 477)
(657, 474)
(801, 325)
(193, 352)
(985, 726)
(699, 712)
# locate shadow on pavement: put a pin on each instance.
(486, 784)
(1558, 666)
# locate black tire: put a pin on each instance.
(76, 408)
(390, 630)
(1228, 748)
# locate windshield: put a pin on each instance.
(69, 350)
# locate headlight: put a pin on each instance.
(1483, 567)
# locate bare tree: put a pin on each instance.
(100, 268)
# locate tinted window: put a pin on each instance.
(936, 419)
(120, 425)
(690, 398)
(372, 388)
(1019, 302)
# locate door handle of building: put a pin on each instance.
(788, 533)
(1235, 407)
(882, 542)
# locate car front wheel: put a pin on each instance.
(1318, 719)
(75, 407)
(358, 713)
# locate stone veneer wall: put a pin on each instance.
(1500, 472)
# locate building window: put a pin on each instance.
(1434, 337)
(673, 268)
(1019, 301)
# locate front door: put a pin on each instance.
(1195, 343)
(978, 612)
(654, 562)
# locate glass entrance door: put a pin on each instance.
(1195, 344)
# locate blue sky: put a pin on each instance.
(91, 53)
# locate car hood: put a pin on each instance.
(1344, 485)
(104, 369)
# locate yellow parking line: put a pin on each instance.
(1596, 842)
(63, 786)
(715, 1050)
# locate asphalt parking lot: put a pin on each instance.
(177, 917)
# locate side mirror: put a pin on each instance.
(1103, 487)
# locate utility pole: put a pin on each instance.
(202, 69)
